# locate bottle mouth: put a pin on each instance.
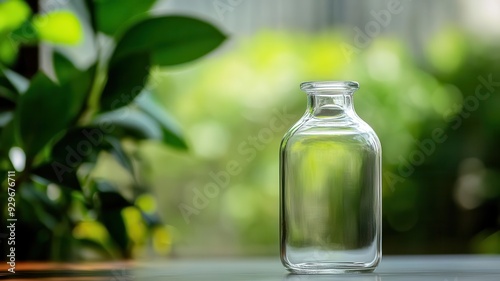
(329, 87)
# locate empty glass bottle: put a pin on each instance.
(330, 186)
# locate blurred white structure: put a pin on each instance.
(414, 24)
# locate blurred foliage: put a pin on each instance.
(226, 105)
(58, 129)
(234, 109)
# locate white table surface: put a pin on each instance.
(392, 268)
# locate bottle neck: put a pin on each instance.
(330, 106)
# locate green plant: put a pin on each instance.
(54, 131)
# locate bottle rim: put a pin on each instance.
(329, 86)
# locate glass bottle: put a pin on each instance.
(330, 186)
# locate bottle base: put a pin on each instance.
(329, 268)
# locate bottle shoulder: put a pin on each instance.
(353, 130)
(353, 125)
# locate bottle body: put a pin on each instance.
(330, 193)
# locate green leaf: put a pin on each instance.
(109, 197)
(77, 146)
(24, 34)
(50, 173)
(59, 27)
(171, 132)
(37, 202)
(96, 246)
(114, 223)
(47, 108)
(126, 79)
(185, 39)
(112, 15)
(170, 39)
(64, 68)
(78, 83)
(115, 148)
(8, 51)
(83, 144)
(130, 123)
(112, 202)
(43, 111)
(12, 14)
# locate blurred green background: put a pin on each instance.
(430, 81)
